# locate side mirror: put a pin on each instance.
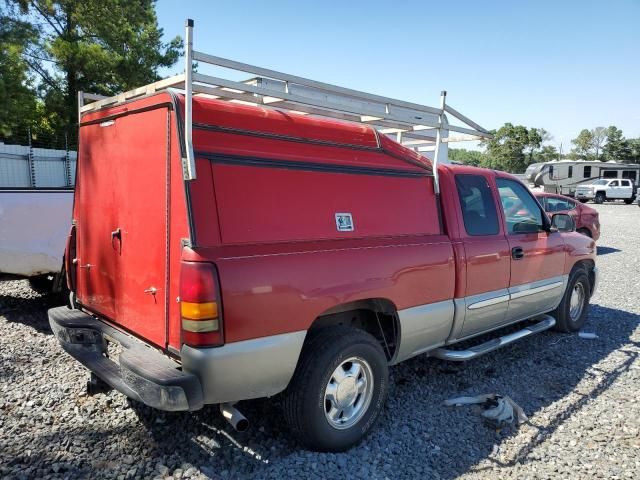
(563, 222)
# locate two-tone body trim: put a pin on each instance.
(426, 327)
(529, 289)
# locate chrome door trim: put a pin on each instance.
(488, 302)
(527, 289)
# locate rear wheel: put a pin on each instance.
(338, 389)
(629, 201)
(600, 197)
(572, 311)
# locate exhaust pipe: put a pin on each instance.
(234, 417)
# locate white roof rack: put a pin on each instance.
(422, 128)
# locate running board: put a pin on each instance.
(545, 323)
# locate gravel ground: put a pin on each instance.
(580, 396)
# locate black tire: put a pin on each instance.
(584, 200)
(600, 197)
(629, 201)
(585, 231)
(565, 322)
(304, 400)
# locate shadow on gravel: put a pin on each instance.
(606, 250)
(30, 309)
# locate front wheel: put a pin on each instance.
(599, 198)
(338, 389)
(572, 311)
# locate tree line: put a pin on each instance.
(51, 49)
(514, 147)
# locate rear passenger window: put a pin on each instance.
(478, 208)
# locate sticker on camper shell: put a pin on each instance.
(344, 222)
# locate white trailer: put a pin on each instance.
(564, 176)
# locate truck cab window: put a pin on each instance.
(478, 208)
(521, 212)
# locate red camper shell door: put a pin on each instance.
(121, 217)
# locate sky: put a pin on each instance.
(559, 65)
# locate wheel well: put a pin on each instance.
(377, 316)
(588, 266)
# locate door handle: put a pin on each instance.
(117, 233)
(517, 253)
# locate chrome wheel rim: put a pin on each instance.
(348, 393)
(577, 302)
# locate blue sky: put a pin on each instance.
(560, 65)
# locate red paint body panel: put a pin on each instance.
(258, 205)
(123, 189)
(281, 288)
(262, 209)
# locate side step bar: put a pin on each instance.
(545, 323)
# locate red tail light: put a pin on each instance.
(200, 310)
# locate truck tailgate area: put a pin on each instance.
(140, 371)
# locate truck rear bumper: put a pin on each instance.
(260, 367)
(140, 372)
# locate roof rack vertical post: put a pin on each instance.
(441, 152)
(80, 105)
(188, 163)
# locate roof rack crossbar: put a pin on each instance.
(419, 127)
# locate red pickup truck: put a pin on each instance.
(306, 257)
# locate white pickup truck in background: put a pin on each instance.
(36, 199)
(604, 189)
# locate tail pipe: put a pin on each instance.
(234, 417)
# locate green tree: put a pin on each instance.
(634, 150)
(506, 150)
(583, 144)
(99, 46)
(474, 158)
(599, 136)
(548, 153)
(18, 101)
(617, 147)
(535, 138)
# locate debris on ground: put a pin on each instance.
(499, 410)
(587, 335)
